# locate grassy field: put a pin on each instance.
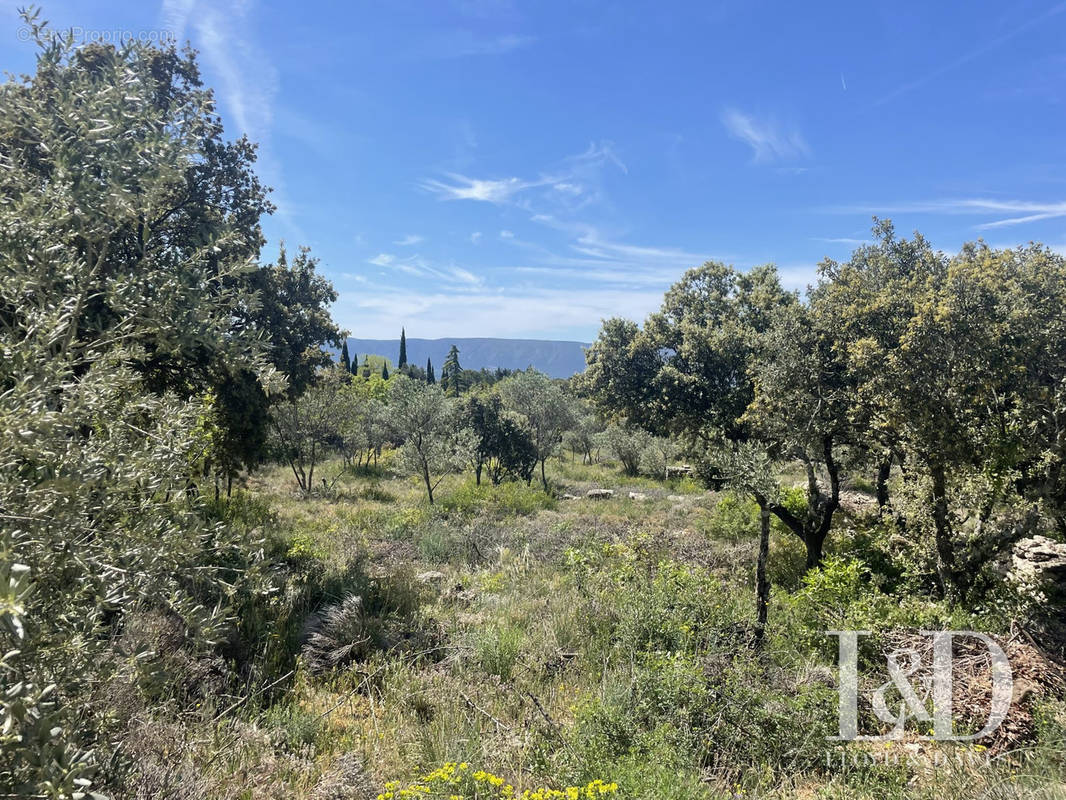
(506, 641)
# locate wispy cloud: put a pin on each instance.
(590, 261)
(1018, 212)
(577, 178)
(420, 267)
(488, 191)
(245, 76)
(841, 240)
(768, 140)
(523, 311)
(408, 240)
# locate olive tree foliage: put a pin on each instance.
(627, 444)
(961, 361)
(621, 371)
(581, 438)
(736, 359)
(434, 442)
(659, 453)
(708, 333)
(104, 285)
(545, 409)
(306, 427)
(748, 467)
(363, 427)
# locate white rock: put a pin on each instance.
(599, 494)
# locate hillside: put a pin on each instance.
(557, 359)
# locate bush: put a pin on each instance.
(625, 444)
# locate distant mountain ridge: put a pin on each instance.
(554, 358)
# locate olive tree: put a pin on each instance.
(106, 284)
(434, 443)
(627, 444)
(545, 409)
(305, 427)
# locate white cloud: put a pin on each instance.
(1018, 212)
(599, 154)
(593, 244)
(422, 268)
(245, 78)
(505, 234)
(766, 138)
(408, 240)
(841, 240)
(464, 188)
(576, 177)
(558, 313)
(475, 237)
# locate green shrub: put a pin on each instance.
(293, 727)
(734, 517)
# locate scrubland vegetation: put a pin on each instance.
(231, 567)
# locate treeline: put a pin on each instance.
(453, 378)
(503, 433)
(946, 371)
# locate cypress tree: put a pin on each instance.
(430, 377)
(450, 373)
(346, 361)
(366, 366)
(402, 362)
(384, 371)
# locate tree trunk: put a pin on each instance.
(762, 583)
(945, 550)
(429, 483)
(543, 478)
(884, 470)
(814, 544)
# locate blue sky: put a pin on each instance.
(505, 168)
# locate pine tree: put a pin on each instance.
(346, 361)
(402, 362)
(384, 371)
(430, 377)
